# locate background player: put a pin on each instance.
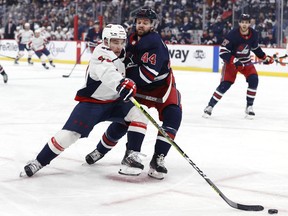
(2, 72)
(148, 65)
(93, 36)
(38, 44)
(235, 52)
(99, 100)
(22, 39)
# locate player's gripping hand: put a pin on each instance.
(268, 59)
(239, 65)
(126, 89)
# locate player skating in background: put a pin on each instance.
(46, 33)
(148, 65)
(235, 52)
(38, 45)
(93, 37)
(2, 72)
(104, 97)
(22, 38)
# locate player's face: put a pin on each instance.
(116, 45)
(143, 26)
(244, 25)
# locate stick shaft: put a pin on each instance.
(68, 75)
(200, 172)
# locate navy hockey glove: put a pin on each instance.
(268, 59)
(126, 89)
(239, 65)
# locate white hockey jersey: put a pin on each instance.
(25, 36)
(37, 43)
(103, 75)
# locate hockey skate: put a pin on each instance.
(93, 157)
(249, 112)
(16, 61)
(157, 168)
(51, 63)
(131, 163)
(207, 112)
(45, 66)
(5, 77)
(30, 62)
(31, 168)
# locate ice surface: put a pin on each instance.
(246, 159)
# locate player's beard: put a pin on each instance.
(141, 31)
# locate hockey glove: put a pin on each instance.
(239, 65)
(268, 60)
(126, 89)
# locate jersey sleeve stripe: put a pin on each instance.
(146, 73)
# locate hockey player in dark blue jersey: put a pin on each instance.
(148, 65)
(93, 36)
(235, 52)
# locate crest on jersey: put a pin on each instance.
(243, 50)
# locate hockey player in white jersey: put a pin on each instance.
(104, 97)
(23, 37)
(38, 45)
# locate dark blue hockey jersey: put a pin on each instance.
(93, 36)
(147, 61)
(236, 45)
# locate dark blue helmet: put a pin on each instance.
(146, 13)
(244, 17)
(149, 14)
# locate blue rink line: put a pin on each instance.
(215, 67)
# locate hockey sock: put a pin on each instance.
(110, 138)
(46, 155)
(219, 92)
(135, 135)
(172, 116)
(106, 144)
(252, 81)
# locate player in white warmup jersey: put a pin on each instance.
(23, 38)
(38, 45)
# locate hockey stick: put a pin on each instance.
(173, 143)
(278, 59)
(68, 75)
(7, 56)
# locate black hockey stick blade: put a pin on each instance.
(66, 76)
(200, 172)
(233, 204)
(250, 207)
